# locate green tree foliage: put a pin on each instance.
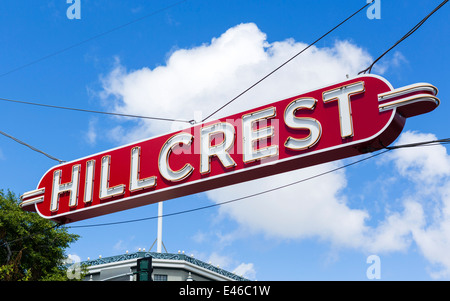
(31, 247)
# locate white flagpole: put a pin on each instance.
(159, 237)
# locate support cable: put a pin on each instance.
(92, 38)
(426, 143)
(233, 200)
(31, 147)
(410, 32)
(93, 111)
(386, 149)
(286, 62)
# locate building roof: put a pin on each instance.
(167, 256)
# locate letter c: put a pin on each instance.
(163, 160)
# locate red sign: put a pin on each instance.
(357, 116)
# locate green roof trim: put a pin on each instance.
(168, 256)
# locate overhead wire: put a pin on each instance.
(233, 200)
(409, 33)
(92, 38)
(85, 110)
(386, 149)
(94, 111)
(32, 147)
(192, 121)
(80, 110)
(426, 143)
(159, 118)
(285, 63)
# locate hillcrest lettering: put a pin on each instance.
(353, 117)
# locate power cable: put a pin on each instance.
(96, 112)
(233, 200)
(79, 110)
(386, 149)
(410, 32)
(84, 110)
(31, 147)
(92, 38)
(286, 62)
(426, 143)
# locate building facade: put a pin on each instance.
(166, 267)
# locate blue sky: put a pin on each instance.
(188, 60)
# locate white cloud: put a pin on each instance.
(197, 81)
(396, 60)
(424, 166)
(219, 260)
(426, 217)
(199, 237)
(91, 134)
(202, 79)
(119, 246)
(205, 77)
(246, 270)
(312, 208)
(395, 232)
